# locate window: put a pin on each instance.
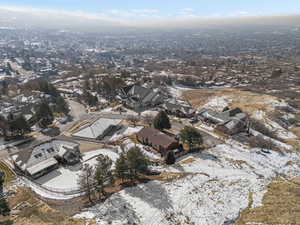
(50, 150)
(38, 155)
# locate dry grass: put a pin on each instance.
(296, 131)
(37, 212)
(168, 176)
(9, 175)
(248, 101)
(239, 163)
(88, 146)
(187, 161)
(280, 206)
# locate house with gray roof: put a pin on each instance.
(98, 129)
(138, 97)
(179, 110)
(230, 121)
(44, 156)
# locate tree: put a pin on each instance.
(44, 114)
(86, 84)
(161, 121)
(137, 161)
(3, 125)
(131, 163)
(86, 180)
(170, 159)
(133, 119)
(191, 136)
(122, 167)
(103, 174)
(89, 99)
(4, 207)
(19, 126)
(62, 106)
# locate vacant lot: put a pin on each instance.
(280, 206)
(247, 101)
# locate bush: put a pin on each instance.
(262, 143)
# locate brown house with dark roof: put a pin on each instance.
(158, 140)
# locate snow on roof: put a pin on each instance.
(97, 128)
(42, 165)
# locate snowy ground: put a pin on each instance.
(215, 193)
(127, 144)
(217, 103)
(125, 133)
(65, 178)
(273, 126)
(176, 91)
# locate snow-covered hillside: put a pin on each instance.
(216, 189)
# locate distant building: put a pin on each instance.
(98, 129)
(138, 97)
(158, 140)
(230, 121)
(178, 109)
(44, 156)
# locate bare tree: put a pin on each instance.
(86, 180)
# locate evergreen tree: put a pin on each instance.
(161, 121)
(19, 126)
(4, 207)
(89, 99)
(122, 167)
(137, 161)
(62, 106)
(130, 164)
(3, 125)
(170, 159)
(191, 136)
(44, 114)
(103, 174)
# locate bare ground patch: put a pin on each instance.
(280, 206)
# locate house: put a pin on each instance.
(138, 97)
(157, 139)
(178, 109)
(230, 121)
(44, 156)
(98, 129)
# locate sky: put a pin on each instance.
(132, 10)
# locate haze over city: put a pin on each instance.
(144, 13)
(162, 112)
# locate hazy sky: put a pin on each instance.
(163, 9)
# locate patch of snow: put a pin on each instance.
(65, 179)
(127, 144)
(218, 103)
(215, 192)
(125, 133)
(273, 126)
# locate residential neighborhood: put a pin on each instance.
(154, 125)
